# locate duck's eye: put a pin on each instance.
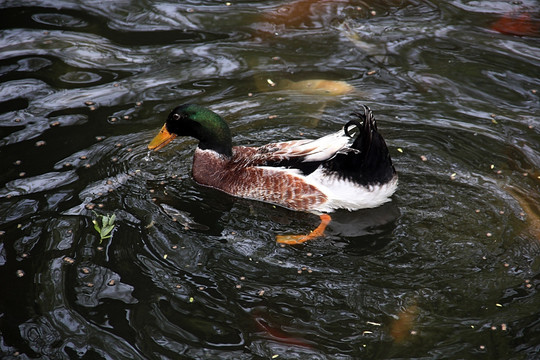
(176, 117)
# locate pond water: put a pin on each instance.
(449, 269)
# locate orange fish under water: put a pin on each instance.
(298, 12)
(518, 23)
(401, 328)
(279, 336)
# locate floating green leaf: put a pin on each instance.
(107, 226)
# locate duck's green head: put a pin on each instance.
(199, 122)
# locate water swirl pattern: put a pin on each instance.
(450, 268)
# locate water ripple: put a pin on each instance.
(448, 267)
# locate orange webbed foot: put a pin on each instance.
(299, 239)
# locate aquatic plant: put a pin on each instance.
(107, 226)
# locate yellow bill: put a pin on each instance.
(162, 138)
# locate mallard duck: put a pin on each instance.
(349, 169)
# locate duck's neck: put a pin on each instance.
(222, 148)
(213, 132)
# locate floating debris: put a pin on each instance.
(20, 273)
(373, 323)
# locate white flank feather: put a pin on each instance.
(343, 194)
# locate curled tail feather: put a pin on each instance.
(368, 161)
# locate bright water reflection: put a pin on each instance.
(449, 269)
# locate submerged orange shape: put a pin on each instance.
(520, 24)
(402, 326)
(296, 13)
(280, 336)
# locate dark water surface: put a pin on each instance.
(449, 269)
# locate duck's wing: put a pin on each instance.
(304, 155)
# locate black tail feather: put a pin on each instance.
(368, 162)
